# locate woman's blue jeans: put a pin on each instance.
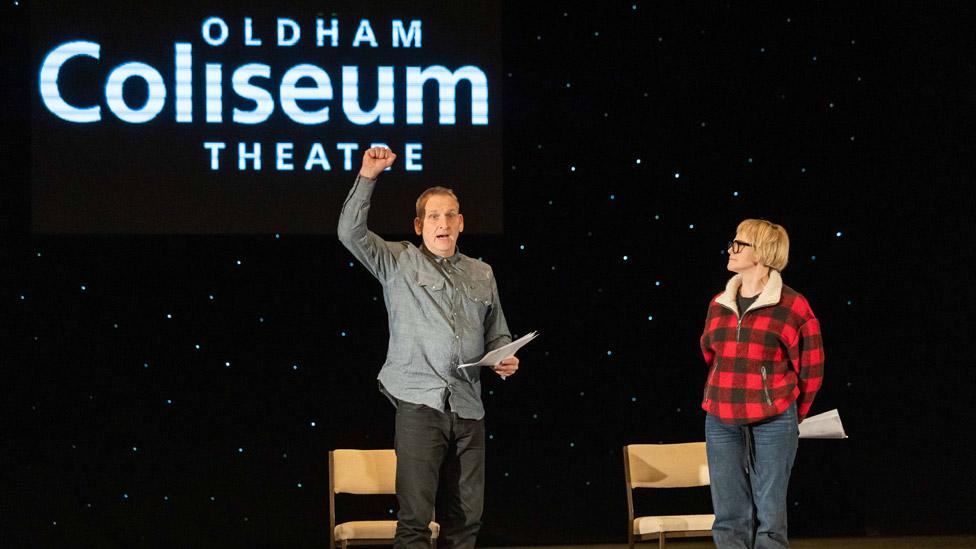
(749, 467)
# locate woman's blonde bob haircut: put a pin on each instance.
(770, 241)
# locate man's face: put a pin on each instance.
(442, 224)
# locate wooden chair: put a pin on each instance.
(364, 472)
(665, 466)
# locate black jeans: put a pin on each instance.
(440, 464)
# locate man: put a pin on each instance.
(443, 310)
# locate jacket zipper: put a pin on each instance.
(710, 384)
(762, 369)
(769, 400)
(711, 376)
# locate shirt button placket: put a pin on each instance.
(454, 325)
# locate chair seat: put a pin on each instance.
(373, 529)
(672, 523)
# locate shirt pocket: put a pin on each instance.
(431, 283)
(478, 292)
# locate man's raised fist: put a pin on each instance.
(375, 160)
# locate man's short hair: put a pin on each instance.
(422, 199)
(770, 241)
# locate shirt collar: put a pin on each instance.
(454, 260)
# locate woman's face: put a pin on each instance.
(745, 258)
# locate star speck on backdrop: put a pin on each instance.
(187, 390)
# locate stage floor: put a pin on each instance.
(942, 542)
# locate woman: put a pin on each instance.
(765, 363)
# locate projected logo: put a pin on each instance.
(300, 86)
(255, 119)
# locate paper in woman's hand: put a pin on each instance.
(825, 425)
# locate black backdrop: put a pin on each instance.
(849, 123)
(157, 177)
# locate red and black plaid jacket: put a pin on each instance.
(763, 360)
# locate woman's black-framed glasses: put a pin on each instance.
(736, 246)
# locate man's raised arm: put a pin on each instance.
(376, 254)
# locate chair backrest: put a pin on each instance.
(363, 471)
(666, 465)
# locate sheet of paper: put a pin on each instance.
(825, 425)
(494, 357)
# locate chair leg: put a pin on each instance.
(344, 544)
(433, 543)
(660, 540)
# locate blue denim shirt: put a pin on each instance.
(441, 312)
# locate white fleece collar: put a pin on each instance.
(770, 294)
